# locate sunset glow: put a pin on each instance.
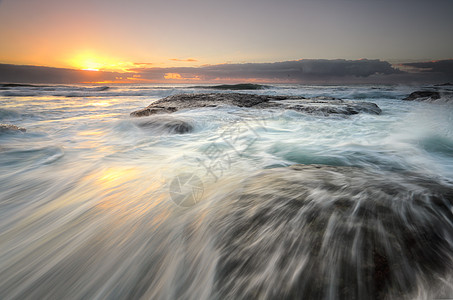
(91, 69)
(90, 61)
(294, 149)
(172, 76)
(150, 42)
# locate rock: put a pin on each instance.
(444, 84)
(366, 107)
(440, 95)
(165, 124)
(19, 85)
(240, 86)
(323, 106)
(101, 88)
(329, 107)
(307, 231)
(152, 111)
(423, 95)
(11, 128)
(324, 98)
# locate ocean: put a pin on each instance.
(94, 205)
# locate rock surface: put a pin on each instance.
(322, 106)
(423, 95)
(165, 124)
(307, 231)
(11, 128)
(240, 86)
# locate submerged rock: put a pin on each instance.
(423, 95)
(11, 128)
(321, 106)
(165, 124)
(317, 232)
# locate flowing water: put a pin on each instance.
(93, 205)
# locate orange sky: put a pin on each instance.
(119, 35)
(115, 34)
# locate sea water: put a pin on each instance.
(91, 205)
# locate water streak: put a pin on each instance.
(86, 210)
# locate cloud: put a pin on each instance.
(141, 64)
(291, 71)
(184, 60)
(179, 77)
(305, 69)
(310, 71)
(38, 74)
(438, 66)
(172, 76)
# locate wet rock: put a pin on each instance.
(19, 85)
(315, 232)
(165, 124)
(336, 106)
(11, 128)
(423, 95)
(323, 106)
(325, 98)
(240, 86)
(444, 84)
(152, 111)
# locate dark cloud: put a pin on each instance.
(37, 74)
(439, 66)
(317, 71)
(300, 70)
(306, 69)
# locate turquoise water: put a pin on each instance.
(85, 203)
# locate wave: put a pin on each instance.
(9, 114)
(437, 144)
(302, 232)
(317, 232)
(88, 198)
(18, 159)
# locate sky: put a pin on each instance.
(164, 37)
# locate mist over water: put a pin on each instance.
(87, 197)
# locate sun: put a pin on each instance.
(90, 61)
(87, 61)
(90, 65)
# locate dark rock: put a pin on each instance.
(11, 128)
(324, 98)
(423, 95)
(444, 84)
(101, 88)
(165, 124)
(307, 231)
(240, 86)
(152, 111)
(322, 106)
(339, 107)
(19, 85)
